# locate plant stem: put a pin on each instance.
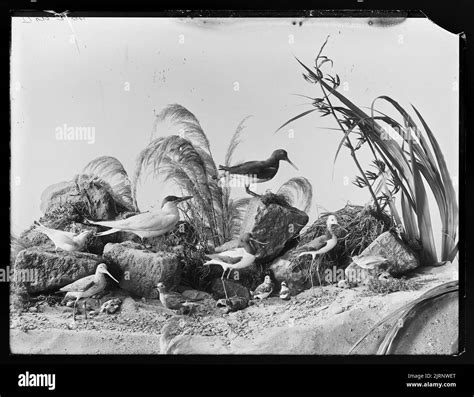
(351, 148)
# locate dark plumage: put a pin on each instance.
(262, 171)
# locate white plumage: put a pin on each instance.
(67, 241)
(147, 224)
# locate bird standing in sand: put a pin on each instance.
(284, 291)
(147, 224)
(173, 300)
(259, 171)
(67, 241)
(264, 290)
(87, 286)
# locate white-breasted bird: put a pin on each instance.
(67, 241)
(147, 224)
(284, 291)
(87, 286)
(321, 244)
(235, 258)
(264, 290)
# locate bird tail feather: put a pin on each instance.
(223, 168)
(110, 231)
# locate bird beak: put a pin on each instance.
(112, 277)
(181, 199)
(296, 168)
(259, 242)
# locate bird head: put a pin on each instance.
(267, 280)
(281, 154)
(102, 268)
(332, 220)
(175, 200)
(161, 287)
(283, 284)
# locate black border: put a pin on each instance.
(284, 371)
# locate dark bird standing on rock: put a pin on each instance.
(259, 171)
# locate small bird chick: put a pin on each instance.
(264, 290)
(284, 291)
(173, 300)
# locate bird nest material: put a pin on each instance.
(358, 227)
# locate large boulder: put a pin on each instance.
(400, 258)
(274, 225)
(40, 270)
(84, 195)
(296, 277)
(142, 269)
(231, 287)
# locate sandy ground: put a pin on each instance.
(326, 320)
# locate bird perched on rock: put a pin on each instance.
(67, 241)
(264, 290)
(284, 291)
(259, 171)
(233, 303)
(87, 287)
(173, 300)
(147, 224)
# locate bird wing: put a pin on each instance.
(315, 244)
(58, 236)
(263, 288)
(147, 221)
(79, 285)
(231, 256)
(244, 168)
(227, 259)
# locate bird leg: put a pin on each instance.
(229, 272)
(74, 310)
(223, 284)
(85, 309)
(247, 189)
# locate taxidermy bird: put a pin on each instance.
(67, 241)
(173, 300)
(147, 224)
(284, 291)
(87, 287)
(259, 171)
(264, 290)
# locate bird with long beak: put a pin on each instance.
(67, 241)
(321, 244)
(87, 287)
(147, 224)
(259, 171)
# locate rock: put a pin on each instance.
(401, 258)
(233, 304)
(33, 309)
(232, 288)
(273, 224)
(142, 269)
(195, 295)
(296, 279)
(51, 270)
(85, 195)
(343, 284)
